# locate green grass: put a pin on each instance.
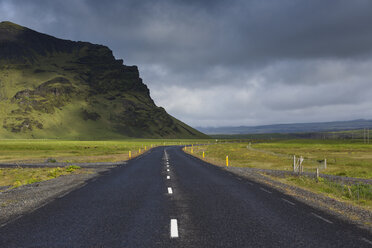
(344, 158)
(360, 194)
(21, 176)
(78, 151)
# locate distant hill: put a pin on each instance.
(54, 88)
(290, 128)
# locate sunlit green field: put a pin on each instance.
(344, 158)
(78, 151)
(15, 177)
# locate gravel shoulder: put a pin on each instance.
(16, 202)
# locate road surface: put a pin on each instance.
(167, 198)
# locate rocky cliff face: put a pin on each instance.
(53, 88)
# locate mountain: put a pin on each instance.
(290, 128)
(54, 88)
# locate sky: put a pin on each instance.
(228, 63)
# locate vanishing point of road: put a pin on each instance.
(166, 198)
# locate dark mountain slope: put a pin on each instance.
(53, 88)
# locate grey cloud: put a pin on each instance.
(239, 61)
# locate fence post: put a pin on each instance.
(301, 166)
(325, 163)
(317, 173)
(294, 163)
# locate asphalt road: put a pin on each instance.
(194, 204)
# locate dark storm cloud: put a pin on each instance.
(266, 59)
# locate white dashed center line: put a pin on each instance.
(289, 202)
(167, 165)
(323, 219)
(168, 177)
(170, 191)
(266, 190)
(173, 228)
(168, 170)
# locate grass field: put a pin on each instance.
(360, 194)
(20, 176)
(78, 151)
(344, 158)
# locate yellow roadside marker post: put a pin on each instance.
(227, 161)
(139, 151)
(130, 154)
(145, 147)
(203, 155)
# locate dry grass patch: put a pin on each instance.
(21, 176)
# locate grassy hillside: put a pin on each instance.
(52, 88)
